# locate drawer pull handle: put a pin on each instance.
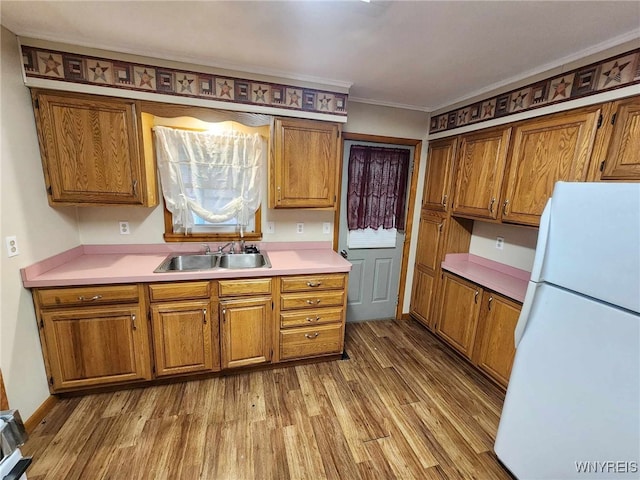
(311, 336)
(312, 302)
(314, 284)
(85, 299)
(224, 314)
(133, 322)
(504, 208)
(204, 315)
(444, 201)
(493, 200)
(475, 296)
(489, 303)
(310, 319)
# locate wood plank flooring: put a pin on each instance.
(403, 406)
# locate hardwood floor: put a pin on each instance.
(402, 406)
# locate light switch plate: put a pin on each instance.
(326, 227)
(271, 227)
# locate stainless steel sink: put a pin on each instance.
(195, 261)
(188, 262)
(245, 260)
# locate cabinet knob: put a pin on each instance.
(311, 336)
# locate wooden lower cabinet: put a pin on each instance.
(92, 346)
(495, 345)
(312, 311)
(245, 331)
(423, 292)
(459, 312)
(185, 337)
(480, 324)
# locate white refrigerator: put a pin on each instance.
(572, 408)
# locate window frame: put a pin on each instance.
(171, 236)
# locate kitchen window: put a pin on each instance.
(213, 179)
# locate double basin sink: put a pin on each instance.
(199, 261)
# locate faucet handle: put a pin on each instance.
(207, 249)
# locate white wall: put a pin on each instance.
(41, 231)
(519, 244)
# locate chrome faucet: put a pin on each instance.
(231, 250)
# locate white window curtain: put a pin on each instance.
(216, 176)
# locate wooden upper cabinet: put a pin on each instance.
(437, 183)
(481, 161)
(91, 150)
(304, 164)
(622, 160)
(546, 150)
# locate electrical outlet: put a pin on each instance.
(271, 227)
(500, 243)
(124, 228)
(12, 246)
(299, 227)
(326, 227)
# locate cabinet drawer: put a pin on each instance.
(313, 300)
(251, 286)
(311, 341)
(311, 282)
(310, 317)
(53, 297)
(179, 291)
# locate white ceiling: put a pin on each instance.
(420, 54)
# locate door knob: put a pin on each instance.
(344, 253)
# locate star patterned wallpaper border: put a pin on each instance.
(85, 69)
(614, 72)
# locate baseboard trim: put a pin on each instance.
(405, 317)
(34, 420)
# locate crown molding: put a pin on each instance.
(383, 103)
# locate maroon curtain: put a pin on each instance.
(377, 187)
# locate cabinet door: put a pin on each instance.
(96, 346)
(429, 240)
(90, 149)
(495, 344)
(623, 155)
(437, 183)
(422, 295)
(183, 337)
(459, 313)
(481, 161)
(546, 150)
(304, 164)
(245, 330)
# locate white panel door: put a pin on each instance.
(374, 280)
